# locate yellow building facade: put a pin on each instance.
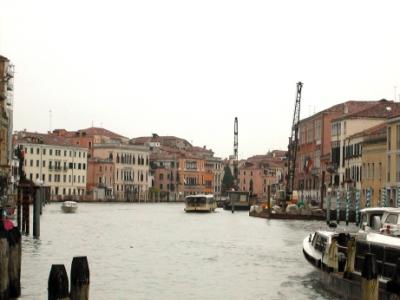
(393, 160)
(373, 165)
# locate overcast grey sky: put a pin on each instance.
(187, 68)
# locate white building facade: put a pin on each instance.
(61, 167)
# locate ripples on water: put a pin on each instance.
(157, 251)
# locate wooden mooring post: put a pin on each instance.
(10, 263)
(58, 283)
(80, 280)
(36, 212)
(14, 262)
(58, 288)
(4, 257)
(369, 278)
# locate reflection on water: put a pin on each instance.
(157, 251)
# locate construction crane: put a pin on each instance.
(293, 144)
(235, 153)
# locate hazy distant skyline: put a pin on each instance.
(188, 68)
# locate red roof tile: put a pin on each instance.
(91, 131)
(378, 110)
(41, 138)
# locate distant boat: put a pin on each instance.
(69, 206)
(200, 203)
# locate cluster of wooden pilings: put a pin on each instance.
(10, 263)
(29, 193)
(58, 288)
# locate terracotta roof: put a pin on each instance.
(168, 152)
(264, 161)
(91, 131)
(46, 139)
(265, 157)
(201, 151)
(262, 165)
(353, 106)
(142, 140)
(375, 111)
(348, 107)
(156, 138)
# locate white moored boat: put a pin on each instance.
(69, 206)
(340, 257)
(200, 203)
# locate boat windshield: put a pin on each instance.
(367, 220)
(196, 200)
(319, 242)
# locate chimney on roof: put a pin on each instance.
(204, 147)
(346, 108)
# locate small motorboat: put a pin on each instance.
(69, 206)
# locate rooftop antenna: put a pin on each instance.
(395, 93)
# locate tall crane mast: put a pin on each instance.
(293, 143)
(235, 152)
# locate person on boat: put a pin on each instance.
(7, 223)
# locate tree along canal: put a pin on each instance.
(157, 251)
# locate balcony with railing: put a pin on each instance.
(55, 168)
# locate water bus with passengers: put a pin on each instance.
(200, 203)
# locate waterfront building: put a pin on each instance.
(165, 170)
(180, 169)
(90, 136)
(373, 158)
(6, 124)
(213, 169)
(260, 171)
(353, 159)
(215, 166)
(100, 179)
(317, 164)
(393, 159)
(130, 169)
(54, 162)
(180, 173)
(344, 149)
(193, 177)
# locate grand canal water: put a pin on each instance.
(157, 251)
